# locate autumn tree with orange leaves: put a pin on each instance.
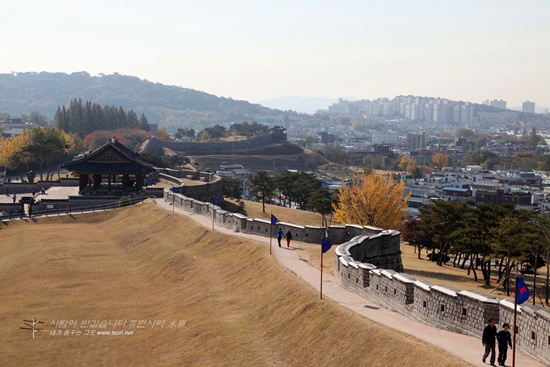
(372, 201)
(440, 160)
(407, 163)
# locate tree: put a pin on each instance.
(416, 172)
(36, 117)
(284, 182)
(534, 139)
(204, 136)
(407, 163)
(187, 133)
(262, 184)
(440, 160)
(374, 201)
(474, 238)
(310, 139)
(440, 221)
(215, 132)
(83, 118)
(296, 186)
(48, 145)
(544, 163)
(409, 234)
(320, 201)
(482, 157)
(11, 153)
(128, 137)
(231, 187)
(163, 135)
(143, 123)
(303, 184)
(538, 245)
(510, 240)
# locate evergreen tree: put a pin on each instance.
(144, 124)
(88, 117)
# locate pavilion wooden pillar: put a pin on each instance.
(125, 181)
(139, 182)
(96, 181)
(82, 181)
(109, 184)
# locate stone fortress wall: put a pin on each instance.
(154, 145)
(441, 306)
(368, 262)
(384, 250)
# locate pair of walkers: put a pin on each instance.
(491, 337)
(280, 235)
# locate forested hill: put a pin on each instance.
(44, 92)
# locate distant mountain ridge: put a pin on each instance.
(169, 105)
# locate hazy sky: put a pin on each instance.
(254, 50)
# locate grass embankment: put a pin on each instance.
(143, 263)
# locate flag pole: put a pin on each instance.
(173, 199)
(270, 230)
(213, 214)
(515, 321)
(321, 285)
(322, 252)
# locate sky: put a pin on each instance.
(467, 50)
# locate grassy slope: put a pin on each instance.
(241, 307)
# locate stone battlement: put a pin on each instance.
(155, 146)
(444, 307)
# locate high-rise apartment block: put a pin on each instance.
(415, 108)
(498, 103)
(528, 107)
(416, 141)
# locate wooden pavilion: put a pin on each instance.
(123, 169)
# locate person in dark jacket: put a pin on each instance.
(504, 340)
(288, 238)
(488, 340)
(280, 235)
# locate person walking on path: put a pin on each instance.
(280, 235)
(488, 340)
(14, 198)
(288, 238)
(504, 340)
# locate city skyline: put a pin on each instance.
(459, 50)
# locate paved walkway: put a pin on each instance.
(464, 347)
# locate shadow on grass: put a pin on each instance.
(436, 275)
(234, 208)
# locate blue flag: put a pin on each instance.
(175, 190)
(274, 219)
(326, 244)
(523, 291)
(217, 201)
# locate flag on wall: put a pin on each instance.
(274, 219)
(175, 190)
(217, 201)
(523, 291)
(326, 244)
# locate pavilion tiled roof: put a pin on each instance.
(111, 158)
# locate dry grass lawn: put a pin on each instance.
(300, 217)
(143, 263)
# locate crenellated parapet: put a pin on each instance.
(442, 306)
